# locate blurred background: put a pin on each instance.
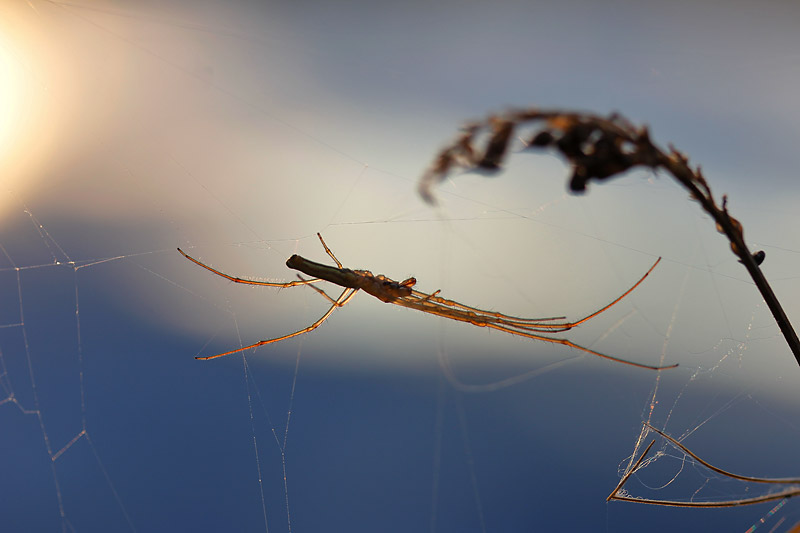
(237, 130)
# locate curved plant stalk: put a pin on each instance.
(598, 148)
(789, 492)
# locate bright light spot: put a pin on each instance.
(22, 137)
(9, 99)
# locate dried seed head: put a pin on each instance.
(543, 138)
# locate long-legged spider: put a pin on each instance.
(401, 293)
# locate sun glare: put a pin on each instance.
(21, 117)
(9, 99)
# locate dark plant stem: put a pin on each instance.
(733, 230)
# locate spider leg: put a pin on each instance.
(244, 280)
(456, 305)
(566, 342)
(530, 324)
(323, 293)
(569, 325)
(328, 250)
(486, 318)
(430, 303)
(491, 321)
(340, 301)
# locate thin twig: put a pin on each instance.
(786, 493)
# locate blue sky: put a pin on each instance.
(237, 131)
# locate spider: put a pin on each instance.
(402, 293)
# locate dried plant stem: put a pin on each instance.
(599, 148)
(735, 233)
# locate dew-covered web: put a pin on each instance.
(237, 132)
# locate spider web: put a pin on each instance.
(237, 134)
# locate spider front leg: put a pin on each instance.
(245, 280)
